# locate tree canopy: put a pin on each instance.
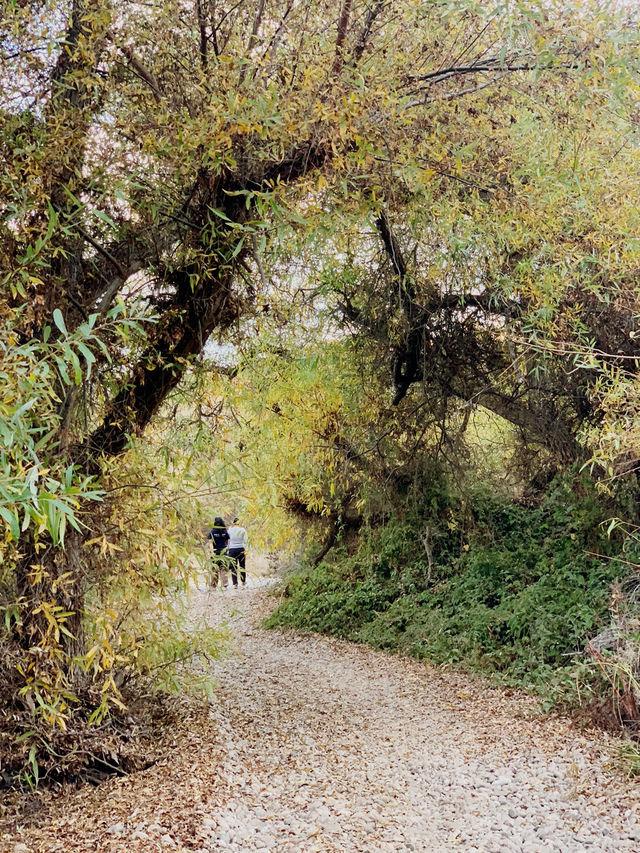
(361, 221)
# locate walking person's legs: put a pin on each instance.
(219, 570)
(235, 555)
(242, 565)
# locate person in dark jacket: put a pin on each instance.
(219, 540)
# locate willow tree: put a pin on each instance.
(153, 154)
(514, 287)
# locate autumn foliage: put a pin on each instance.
(389, 213)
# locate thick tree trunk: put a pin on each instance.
(86, 277)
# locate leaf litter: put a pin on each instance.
(317, 745)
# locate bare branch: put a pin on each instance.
(253, 38)
(278, 33)
(373, 10)
(475, 68)
(450, 96)
(202, 27)
(343, 25)
(104, 252)
(256, 257)
(257, 23)
(142, 72)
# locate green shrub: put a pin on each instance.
(514, 592)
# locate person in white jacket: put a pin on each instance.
(238, 541)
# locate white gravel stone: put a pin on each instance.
(419, 777)
(329, 747)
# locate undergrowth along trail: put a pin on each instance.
(512, 591)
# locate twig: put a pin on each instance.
(428, 551)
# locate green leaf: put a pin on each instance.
(58, 319)
(220, 214)
(89, 357)
(33, 761)
(77, 370)
(102, 215)
(51, 224)
(12, 520)
(237, 249)
(47, 506)
(62, 369)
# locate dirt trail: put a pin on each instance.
(315, 745)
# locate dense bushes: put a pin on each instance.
(485, 583)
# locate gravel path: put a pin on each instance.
(318, 745)
(333, 746)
